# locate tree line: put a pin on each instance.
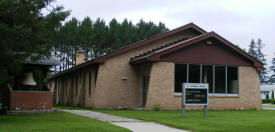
(97, 38)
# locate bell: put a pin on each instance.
(28, 79)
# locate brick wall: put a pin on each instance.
(29, 100)
(113, 92)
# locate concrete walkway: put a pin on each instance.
(268, 108)
(129, 123)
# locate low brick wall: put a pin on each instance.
(31, 100)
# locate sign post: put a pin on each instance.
(194, 94)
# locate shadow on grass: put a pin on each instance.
(71, 107)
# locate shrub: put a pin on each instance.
(265, 101)
(157, 107)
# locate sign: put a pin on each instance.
(195, 94)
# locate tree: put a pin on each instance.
(252, 49)
(113, 36)
(97, 38)
(25, 28)
(267, 96)
(241, 48)
(272, 95)
(255, 50)
(261, 57)
(272, 68)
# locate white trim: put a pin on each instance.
(223, 94)
(177, 93)
(210, 94)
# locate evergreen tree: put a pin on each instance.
(267, 96)
(272, 95)
(96, 38)
(25, 28)
(255, 50)
(261, 57)
(86, 36)
(272, 68)
(113, 36)
(252, 49)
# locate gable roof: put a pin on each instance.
(144, 42)
(154, 55)
(102, 59)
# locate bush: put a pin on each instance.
(157, 107)
(265, 101)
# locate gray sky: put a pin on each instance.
(236, 20)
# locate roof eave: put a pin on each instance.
(156, 57)
(73, 69)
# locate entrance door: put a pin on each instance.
(145, 84)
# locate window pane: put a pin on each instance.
(194, 73)
(207, 76)
(232, 80)
(219, 79)
(180, 76)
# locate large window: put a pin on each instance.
(180, 76)
(221, 79)
(207, 76)
(232, 80)
(194, 73)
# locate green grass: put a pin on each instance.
(54, 122)
(269, 106)
(217, 121)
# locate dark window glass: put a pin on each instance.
(219, 79)
(207, 76)
(194, 76)
(180, 76)
(232, 80)
(194, 73)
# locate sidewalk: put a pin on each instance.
(268, 108)
(129, 123)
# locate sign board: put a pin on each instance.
(195, 94)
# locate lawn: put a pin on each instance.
(217, 121)
(54, 122)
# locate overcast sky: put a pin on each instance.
(236, 20)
